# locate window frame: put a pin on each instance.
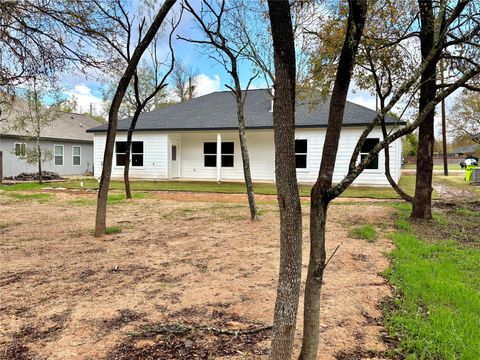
(221, 154)
(55, 155)
(131, 154)
(74, 156)
(362, 153)
(24, 150)
(306, 168)
(232, 155)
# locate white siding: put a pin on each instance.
(261, 150)
(154, 157)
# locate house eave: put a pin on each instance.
(236, 128)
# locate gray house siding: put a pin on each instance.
(13, 165)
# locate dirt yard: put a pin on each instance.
(178, 282)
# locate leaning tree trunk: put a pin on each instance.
(39, 151)
(128, 151)
(246, 162)
(243, 140)
(101, 215)
(319, 196)
(388, 174)
(422, 201)
(289, 280)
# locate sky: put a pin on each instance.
(87, 88)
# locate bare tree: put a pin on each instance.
(132, 63)
(184, 81)
(210, 21)
(39, 38)
(159, 83)
(32, 119)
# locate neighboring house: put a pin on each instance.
(463, 151)
(66, 138)
(198, 140)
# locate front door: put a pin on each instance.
(174, 160)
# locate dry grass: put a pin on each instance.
(65, 294)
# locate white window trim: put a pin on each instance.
(63, 155)
(73, 155)
(131, 166)
(15, 150)
(307, 168)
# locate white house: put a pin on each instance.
(198, 140)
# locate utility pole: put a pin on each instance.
(444, 126)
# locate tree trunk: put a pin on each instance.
(316, 268)
(390, 179)
(101, 215)
(319, 196)
(422, 201)
(289, 281)
(126, 170)
(240, 99)
(39, 151)
(246, 163)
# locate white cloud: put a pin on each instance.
(84, 96)
(206, 85)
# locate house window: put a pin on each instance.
(76, 155)
(301, 147)
(136, 153)
(368, 146)
(210, 154)
(58, 155)
(20, 149)
(227, 154)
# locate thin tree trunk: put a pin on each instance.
(289, 281)
(388, 174)
(101, 215)
(319, 196)
(126, 170)
(422, 201)
(246, 162)
(39, 150)
(316, 268)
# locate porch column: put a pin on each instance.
(219, 157)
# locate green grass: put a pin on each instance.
(2, 225)
(25, 187)
(112, 230)
(435, 314)
(112, 199)
(407, 182)
(365, 232)
(109, 230)
(34, 196)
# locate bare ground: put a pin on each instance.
(176, 283)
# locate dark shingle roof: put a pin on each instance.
(217, 111)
